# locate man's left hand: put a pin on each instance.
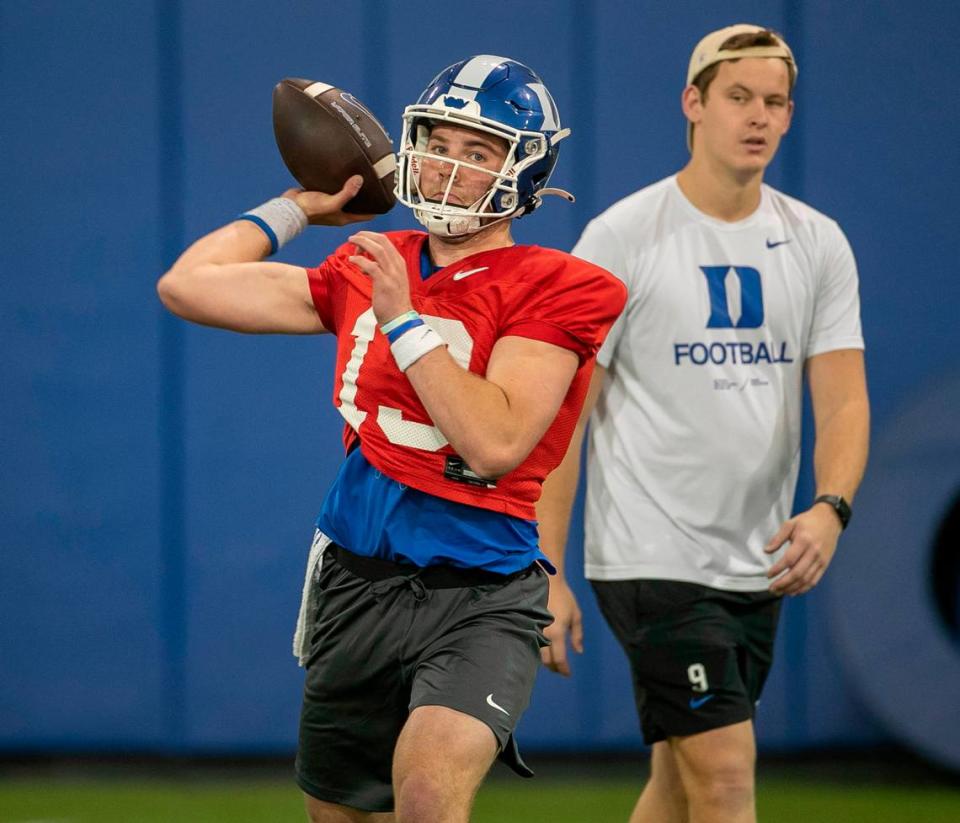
(388, 271)
(813, 537)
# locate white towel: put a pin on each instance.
(301, 642)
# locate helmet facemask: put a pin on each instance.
(499, 202)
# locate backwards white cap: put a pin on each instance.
(709, 52)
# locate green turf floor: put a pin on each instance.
(502, 800)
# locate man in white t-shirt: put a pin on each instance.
(735, 290)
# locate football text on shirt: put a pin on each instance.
(748, 291)
(736, 353)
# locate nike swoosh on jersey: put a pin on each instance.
(498, 708)
(461, 274)
(778, 243)
(697, 702)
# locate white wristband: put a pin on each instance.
(409, 347)
(280, 219)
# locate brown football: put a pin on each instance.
(325, 136)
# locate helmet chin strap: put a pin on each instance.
(457, 225)
(459, 220)
(449, 225)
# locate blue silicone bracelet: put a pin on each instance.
(403, 328)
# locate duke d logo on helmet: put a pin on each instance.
(454, 102)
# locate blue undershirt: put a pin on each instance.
(373, 515)
(370, 514)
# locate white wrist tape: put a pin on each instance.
(280, 219)
(414, 344)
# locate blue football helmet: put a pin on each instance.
(497, 96)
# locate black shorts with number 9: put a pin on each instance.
(699, 656)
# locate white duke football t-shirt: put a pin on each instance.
(695, 441)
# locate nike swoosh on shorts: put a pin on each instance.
(697, 702)
(498, 708)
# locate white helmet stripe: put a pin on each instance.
(475, 71)
(551, 119)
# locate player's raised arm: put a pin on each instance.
(223, 280)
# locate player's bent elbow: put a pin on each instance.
(166, 291)
(181, 290)
(493, 462)
(170, 290)
(489, 471)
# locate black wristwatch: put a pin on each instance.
(839, 505)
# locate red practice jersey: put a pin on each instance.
(523, 291)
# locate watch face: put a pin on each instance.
(843, 509)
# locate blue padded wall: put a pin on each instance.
(159, 481)
(81, 641)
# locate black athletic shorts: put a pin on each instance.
(699, 656)
(386, 638)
